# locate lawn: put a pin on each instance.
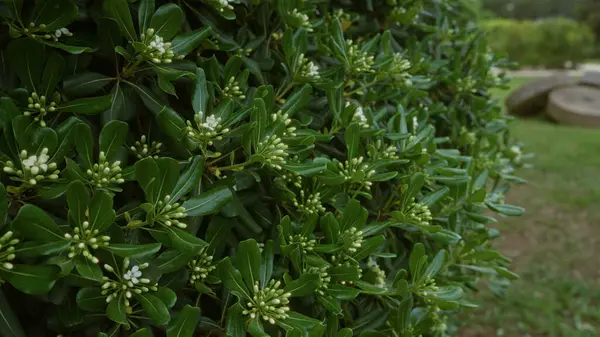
(555, 246)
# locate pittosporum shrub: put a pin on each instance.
(235, 167)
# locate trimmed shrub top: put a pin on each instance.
(234, 167)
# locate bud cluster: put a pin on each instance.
(359, 116)
(351, 167)
(83, 239)
(232, 89)
(206, 130)
(129, 281)
(307, 70)
(360, 61)
(142, 150)
(201, 267)
(383, 151)
(269, 303)
(344, 259)
(466, 85)
(311, 204)
(292, 178)
(39, 106)
(222, 5)
(286, 120)
(104, 174)
(427, 287)
(274, 151)
(380, 275)
(419, 214)
(302, 18)
(43, 33)
(303, 242)
(7, 250)
(34, 168)
(351, 239)
(169, 214)
(157, 50)
(325, 278)
(399, 69)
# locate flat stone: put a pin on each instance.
(591, 78)
(576, 105)
(531, 98)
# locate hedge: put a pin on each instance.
(548, 43)
(224, 168)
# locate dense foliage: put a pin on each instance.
(234, 167)
(550, 43)
(530, 9)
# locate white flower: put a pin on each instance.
(35, 163)
(359, 116)
(313, 69)
(62, 31)
(133, 275)
(212, 122)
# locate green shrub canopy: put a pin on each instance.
(233, 167)
(549, 43)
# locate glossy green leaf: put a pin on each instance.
(167, 296)
(185, 241)
(88, 269)
(145, 12)
(9, 322)
(208, 202)
(3, 205)
(172, 260)
(145, 332)
(115, 310)
(84, 144)
(189, 178)
(78, 199)
(508, 210)
(167, 20)
(134, 251)
(91, 299)
(232, 279)
(297, 101)
(26, 57)
(185, 322)
(112, 137)
(101, 212)
(247, 260)
(31, 279)
(84, 84)
(35, 224)
(119, 11)
(185, 43)
(256, 329)
(55, 14)
(156, 310)
(305, 285)
(53, 72)
(200, 95)
(87, 106)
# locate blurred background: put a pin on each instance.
(556, 246)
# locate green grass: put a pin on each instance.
(555, 245)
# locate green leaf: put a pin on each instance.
(84, 144)
(146, 173)
(167, 296)
(66, 138)
(345, 332)
(3, 205)
(305, 285)
(330, 303)
(35, 224)
(88, 269)
(85, 84)
(172, 260)
(119, 11)
(189, 178)
(9, 323)
(266, 265)
(145, 12)
(122, 106)
(87, 106)
(247, 261)
(171, 123)
(55, 14)
(200, 95)
(185, 241)
(167, 20)
(344, 273)
(255, 328)
(26, 58)
(208, 202)
(504, 209)
(116, 310)
(369, 246)
(311, 326)
(168, 173)
(112, 138)
(91, 299)
(156, 310)
(101, 212)
(184, 43)
(297, 101)
(338, 43)
(436, 265)
(134, 251)
(232, 279)
(185, 322)
(236, 321)
(75, 50)
(78, 199)
(31, 279)
(415, 259)
(145, 332)
(342, 292)
(54, 70)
